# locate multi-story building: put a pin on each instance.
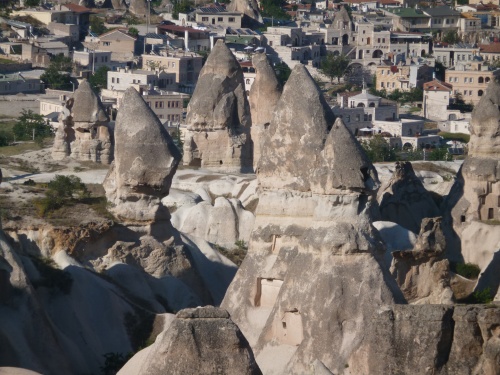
(122, 79)
(437, 97)
(193, 39)
(490, 52)
(402, 77)
(469, 80)
(439, 19)
(122, 45)
(167, 105)
(17, 83)
(454, 54)
(217, 16)
(186, 67)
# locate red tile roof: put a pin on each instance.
(437, 85)
(77, 8)
(490, 48)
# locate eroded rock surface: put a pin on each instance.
(198, 341)
(145, 161)
(404, 200)
(218, 118)
(249, 9)
(423, 274)
(264, 95)
(83, 132)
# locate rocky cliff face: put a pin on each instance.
(218, 119)
(249, 9)
(264, 95)
(145, 162)
(404, 200)
(473, 203)
(83, 132)
(198, 341)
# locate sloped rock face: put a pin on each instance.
(404, 200)
(145, 162)
(422, 274)
(83, 132)
(218, 119)
(312, 241)
(474, 200)
(198, 341)
(264, 95)
(250, 10)
(138, 7)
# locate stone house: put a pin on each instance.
(451, 55)
(71, 31)
(490, 52)
(217, 16)
(470, 80)
(121, 45)
(123, 78)
(402, 77)
(437, 97)
(192, 39)
(16, 83)
(186, 67)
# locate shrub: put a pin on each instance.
(467, 270)
(481, 296)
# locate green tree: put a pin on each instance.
(133, 31)
(31, 3)
(334, 66)
(451, 37)
(440, 71)
(180, 6)
(56, 76)
(61, 190)
(273, 8)
(99, 79)
(30, 123)
(378, 149)
(97, 25)
(5, 138)
(283, 71)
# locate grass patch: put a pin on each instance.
(414, 109)
(479, 297)
(461, 137)
(19, 148)
(235, 255)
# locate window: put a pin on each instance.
(204, 19)
(383, 40)
(231, 19)
(382, 72)
(118, 80)
(159, 104)
(450, 79)
(456, 79)
(347, 118)
(106, 43)
(358, 118)
(378, 40)
(247, 81)
(220, 19)
(381, 84)
(113, 80)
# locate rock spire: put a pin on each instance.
(145, 162)
(218, 119)
(264, 95)
(83, 132)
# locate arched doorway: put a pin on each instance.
(377, 54)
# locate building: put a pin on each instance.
(470, 80)
(122, 46)
(122, 79)
(217, 16)
(358, 110)
(490, 52)
(449, 55)
(249, 74)
(402, 77)
(437, 97)
(190, 38)
(16, 83)
(185, 67)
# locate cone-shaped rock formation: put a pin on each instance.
(404, 199)
(250, 10)
(264, 95)
(83, 132)
(312, 248)
(218, 119)
(198, 341)
(145, 162)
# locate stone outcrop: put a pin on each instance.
(138, 7)
(264, 95)
(404, 199)
(422, 274)
(145, 161)
(249, 9)
(218, 116)
(198, 341)
(472, 207)
(83, 132)
(313, 247)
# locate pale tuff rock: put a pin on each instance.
(474, 198)
(138, 7)
(312, 248)
(145, 162)
(264, 95)
(83, 132)
(404, 200)
(218, 119)
(198, 341)
(423, 274)
(249, 8)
